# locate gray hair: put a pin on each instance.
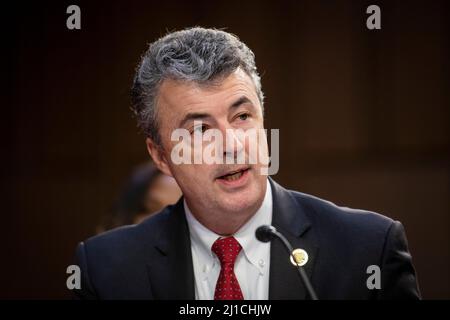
(196, 54)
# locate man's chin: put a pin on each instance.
(240, 203)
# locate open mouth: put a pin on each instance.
(235, 175)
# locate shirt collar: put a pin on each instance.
(204, 238)
(254, 249)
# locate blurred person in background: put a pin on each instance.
(146, 191)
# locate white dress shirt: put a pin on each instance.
(252, 265)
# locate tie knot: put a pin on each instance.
(226, 250)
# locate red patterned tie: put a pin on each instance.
(227, 287)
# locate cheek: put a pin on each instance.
(191, 176)
(257, 149)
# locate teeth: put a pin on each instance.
(233, 177)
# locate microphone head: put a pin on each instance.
(265, 233)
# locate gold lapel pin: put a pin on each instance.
(300, 256)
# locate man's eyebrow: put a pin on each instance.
(193, 116)
(199, 116)
(239, 102)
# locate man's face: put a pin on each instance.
(232, 103)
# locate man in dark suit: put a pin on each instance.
(201, 80)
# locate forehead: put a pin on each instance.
(179, 97)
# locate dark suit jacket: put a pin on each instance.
(152, 260)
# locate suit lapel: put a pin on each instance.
(290, 219)
(170, 269)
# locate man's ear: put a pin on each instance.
(157, 153)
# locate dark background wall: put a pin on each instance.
(363, 117)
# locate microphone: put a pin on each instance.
(266, 233)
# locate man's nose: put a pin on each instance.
(233, 146)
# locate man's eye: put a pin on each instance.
(243, 116)
(199, 129)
